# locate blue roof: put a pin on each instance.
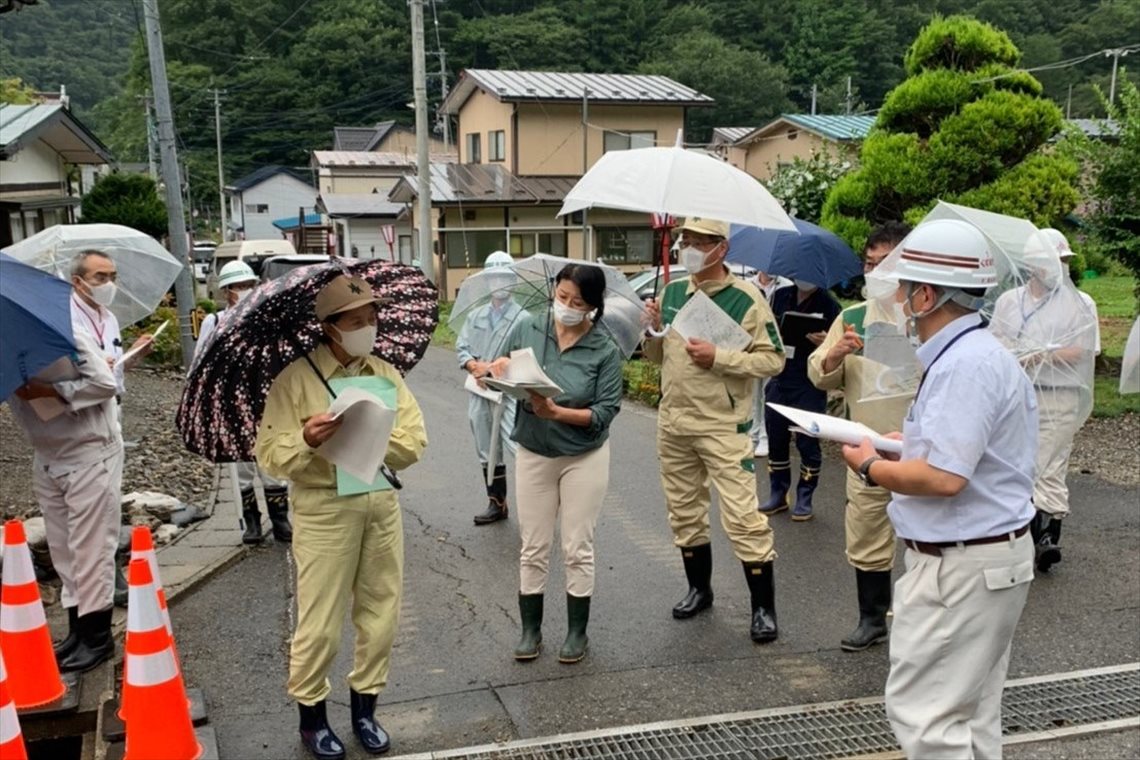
(290, 222)
(835, 126)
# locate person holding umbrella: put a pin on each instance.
(839, 364)
(704, 421)
(562, 467)
(482, 336)
(344, 545)
(236, 281)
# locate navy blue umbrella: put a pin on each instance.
(814, 255)
(35, 322)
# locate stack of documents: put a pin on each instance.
(701, 319)
(524, 376)
(836, 429)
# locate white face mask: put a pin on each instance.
(241, 295)
(907, 324)
(568, 316)
(358, 342)
(103, 294)
(693, 259)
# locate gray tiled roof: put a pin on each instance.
(360, 138)
(484, 183)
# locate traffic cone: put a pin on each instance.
(24, 630)
(158, 716)
(11, 740)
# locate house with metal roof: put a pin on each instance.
(39, 144)
(523, 140)
(271, 192)
(761, 151)
(384, 137)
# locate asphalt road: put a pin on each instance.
(453, 681)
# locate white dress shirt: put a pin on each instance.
(103, 326)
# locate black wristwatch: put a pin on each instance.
(865, 470)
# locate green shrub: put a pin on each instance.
(919, 104)
(961, 43)
(167, 346)
(1040, 189)
(642, 381)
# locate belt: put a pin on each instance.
(935, 549)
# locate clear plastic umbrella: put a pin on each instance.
(678, 182)
(1130, 367)
(531, 283)
(145, 269)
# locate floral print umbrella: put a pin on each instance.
(232, 371)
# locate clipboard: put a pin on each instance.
(385, 390)
(796, 325)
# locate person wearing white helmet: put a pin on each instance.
(962, 500)
(480, 341)
(236, 281)
(1054, 328)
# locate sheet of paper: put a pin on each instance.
(385, 390)
(135, 349)
(701, 319)
(471, 385)
(836, 429)
(358, 447)
(58, 371)
(524, 375)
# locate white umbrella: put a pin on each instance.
(145, 269)
(678, 182)
(1130, 366)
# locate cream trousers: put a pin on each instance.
(954, 620)
(566, 489)
(1058, 424)
(870, 535)
(82, 518)
(345, 547)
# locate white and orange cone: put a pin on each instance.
(11, 740)
(154, 697)
(24, 633)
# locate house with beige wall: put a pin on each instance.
(524, 138)
(383, 137)
(765, 149)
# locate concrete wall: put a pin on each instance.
(361, 179)
(764, 156)
(399, 141)
(365, 233)
(34, 165)
(283, 194)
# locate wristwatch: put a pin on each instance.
(865, 470)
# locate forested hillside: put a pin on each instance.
(292, 69)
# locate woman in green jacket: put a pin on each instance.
(563, 465)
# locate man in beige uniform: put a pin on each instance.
(345, 546)
(77, 476)
(704, 421)
(837, 364)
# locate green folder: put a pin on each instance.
(385, 390)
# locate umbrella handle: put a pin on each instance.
(657, 333)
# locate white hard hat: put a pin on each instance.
(498, 259)
(1058, 240)
(234, 273)
(949, 253)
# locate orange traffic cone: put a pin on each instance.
(11, 740)
(158, 716)
(23, 628)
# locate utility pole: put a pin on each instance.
(221, 172)
(423, 167)
(443, 95)
(1069, 103)
(585, 168)
(813, 92)
(1116, 55)
(151, 147)
(848, 96)
(175, 216)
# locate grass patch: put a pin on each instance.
(1107, 401)
(1114, 296)
(443, 336)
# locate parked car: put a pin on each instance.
(252, 252)
(648, 281)
(275, 266)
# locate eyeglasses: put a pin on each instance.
(101, 278)
(706, 243)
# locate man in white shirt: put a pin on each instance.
(76, 475)
(962, 502)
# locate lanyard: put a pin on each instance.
(1040, 305)
(96, 328)
(945, 348)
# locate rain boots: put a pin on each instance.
(1046, 532)
(316, 733)
(122, 589)
(762, 588)
(577, 618)
(530, 612)
(698, 570)
(251, 517)
(496, 497)
(874, 590)
(95, 642)
(371, 734)
(780, 478)
(71, 641)
(809, 479)
(277, 505)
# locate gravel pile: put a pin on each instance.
(156, 459)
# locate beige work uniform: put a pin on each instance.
(704, 420)
(342, 544)
(870, 538)
(77, 476)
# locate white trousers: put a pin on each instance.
(758, 433)
(1057, 410)
(82, 516)
(954, 618)
(246, 472)
(569, 490)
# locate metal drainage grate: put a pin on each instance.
(832, 729)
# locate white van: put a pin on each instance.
(252, 252)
